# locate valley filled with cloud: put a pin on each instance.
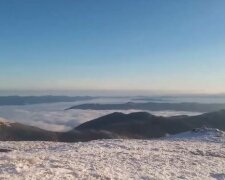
(54, 117)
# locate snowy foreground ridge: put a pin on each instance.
(178, 157)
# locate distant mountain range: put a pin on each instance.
(116, 125)
(24, 100)
(153, 106)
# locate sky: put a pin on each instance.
(118, 45)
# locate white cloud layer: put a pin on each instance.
(54, 117)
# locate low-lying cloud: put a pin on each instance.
(53, 116)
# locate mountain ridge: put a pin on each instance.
(145, 125)
(24, 100)
(153, 106)
(138, 125)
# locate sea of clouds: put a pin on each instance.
(54, 117)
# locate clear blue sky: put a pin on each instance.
(155, 45)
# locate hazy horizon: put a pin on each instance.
(106, 93)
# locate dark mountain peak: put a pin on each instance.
(133, 115)
(140, 114)
(114, 114)
(145, 125)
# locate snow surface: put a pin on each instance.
(5, 122)
(169, 158)
(201, 134)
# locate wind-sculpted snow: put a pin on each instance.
(113, 159)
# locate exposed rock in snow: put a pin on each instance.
(114, 159)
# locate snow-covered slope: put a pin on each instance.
(200, 134)
(4, 122)
(115, 159)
